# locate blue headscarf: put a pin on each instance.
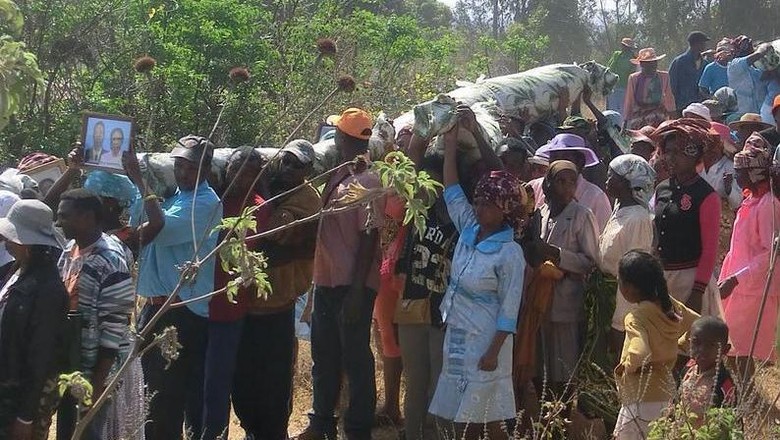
(111, 185)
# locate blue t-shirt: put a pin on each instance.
(174, 245)
(747, 84)
(714, 77)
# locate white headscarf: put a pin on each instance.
(639, 173)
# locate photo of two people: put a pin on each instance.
(105, 138)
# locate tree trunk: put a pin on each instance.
(496, 18)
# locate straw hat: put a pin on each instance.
(750, 119)
(646, 55)
(628, 42)
(29, 222)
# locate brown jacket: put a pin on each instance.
(290, 252)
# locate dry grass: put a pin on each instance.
(302, 395)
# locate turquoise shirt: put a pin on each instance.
(174, 245)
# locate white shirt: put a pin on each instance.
(628, 229)
(714, 176)
(587, 194)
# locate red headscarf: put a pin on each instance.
(693, 134)
(505, 191)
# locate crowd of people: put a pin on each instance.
(670, 192)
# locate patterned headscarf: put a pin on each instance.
(693, 134)
(639, 174)
(112, 185)
(756, 158)
(505, 191)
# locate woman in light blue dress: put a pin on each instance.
(480, 307)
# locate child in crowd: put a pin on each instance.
(653, 331)
(630, 180)
(707, 383)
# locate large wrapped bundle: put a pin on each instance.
(533, 95)
(157, 168)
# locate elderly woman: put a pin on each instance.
(630, 182)
(33, 310)
(743, 277)
(649, 99)
(687, 216)
(569, 239)
(482, 301)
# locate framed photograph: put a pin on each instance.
(47, 174)
(324, 132)
(105, 138)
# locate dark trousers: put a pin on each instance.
(338, 347)
(262, 387)
(178, 390)
(221, 350)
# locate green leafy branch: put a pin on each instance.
(416, 188)
(245, 265)
(78, 385)
(681, 423)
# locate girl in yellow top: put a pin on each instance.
(655, 329)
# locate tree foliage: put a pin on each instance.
(19, 74)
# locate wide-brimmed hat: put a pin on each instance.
(750, 119)
(569, 142)
(628, 42)
(29, 222)
(646, 55)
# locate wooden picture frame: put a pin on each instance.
(45, 175)
(105, 129)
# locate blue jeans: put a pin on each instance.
(221, 351)
(178, 389)
(338, 347)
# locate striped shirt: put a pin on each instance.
(100, 287)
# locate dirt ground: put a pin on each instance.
(302, 399)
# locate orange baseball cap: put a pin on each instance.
(776, 104)
(354, 122)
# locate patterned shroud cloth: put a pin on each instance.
(127, 412)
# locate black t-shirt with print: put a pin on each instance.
(428, 262)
